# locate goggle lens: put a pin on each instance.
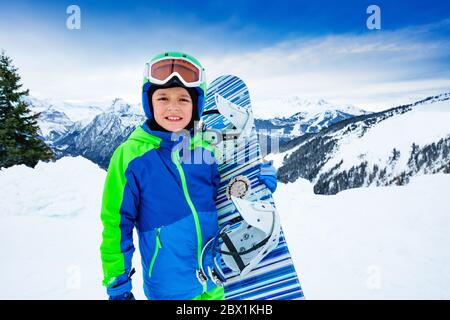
(162, 69)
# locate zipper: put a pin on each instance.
(176, 160)
(158, 246)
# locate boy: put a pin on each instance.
(170, 203)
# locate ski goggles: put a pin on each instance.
(161, 71)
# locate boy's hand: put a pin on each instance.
(268, 176)
(123, 296)
(120, 287)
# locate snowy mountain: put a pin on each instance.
(58, 118)
(382, 148)
(394, 248)
(53, 124)
(306, 116)
(95, 132)
(97, 140)
(81, 112)
(279, 107)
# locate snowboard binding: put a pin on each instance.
(241, 123)
(241, 249)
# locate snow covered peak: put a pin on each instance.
(122, 108)
(293, 116)
(119, 105)
(83, 113)
(284, 107)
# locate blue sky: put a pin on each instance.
(315, 49)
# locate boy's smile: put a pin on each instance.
(172, 108)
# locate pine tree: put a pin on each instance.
(19, 140)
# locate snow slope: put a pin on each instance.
(370, 243)
(367, 243)
(423, 125)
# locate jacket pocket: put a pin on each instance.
(158, 246)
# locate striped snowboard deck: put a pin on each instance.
(275, 277)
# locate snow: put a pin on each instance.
(50, 231)
(368, 243)
(277, 158)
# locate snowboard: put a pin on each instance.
(274, 277)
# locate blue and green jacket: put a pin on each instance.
(159, 189)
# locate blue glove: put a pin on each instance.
(123, 296)
(120, 287)
(268, 176)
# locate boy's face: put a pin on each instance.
(172, 108)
